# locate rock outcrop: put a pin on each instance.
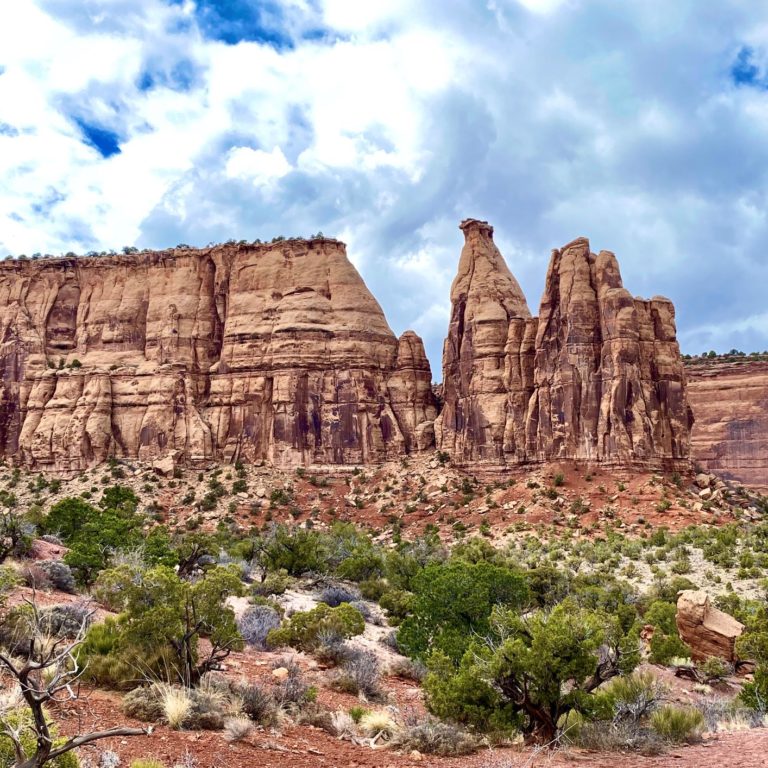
(279, 353)
(730, 405)
(596, 377)
(707, 631)
(255, 352)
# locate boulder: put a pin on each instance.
(707, 631)
(166, 465)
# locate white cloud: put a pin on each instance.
(256, 165)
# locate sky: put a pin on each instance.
(641, 124)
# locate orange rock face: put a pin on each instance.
(596, 377)
(275, 352)
(730, 405)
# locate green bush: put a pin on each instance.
(303, 629)
(163, 618)
(533, 670)
(398, 604)
(22, 719)
(665, 643)
(677, 724)
(453, 602)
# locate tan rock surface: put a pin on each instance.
(272, 352)
(708, 631)
(597, 376)
(730, 405)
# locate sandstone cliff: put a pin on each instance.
(730, 405)
(271, 352)
(596, 377)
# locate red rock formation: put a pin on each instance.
(707, 631)
(730, 405)
(597, 377)
(275, 352)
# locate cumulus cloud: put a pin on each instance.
(638, 124)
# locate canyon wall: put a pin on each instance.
(279, 353)
(730, 404)
(596, 377)
(274, 353)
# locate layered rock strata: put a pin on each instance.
(270, 352)
(730, 405)
(596, 377)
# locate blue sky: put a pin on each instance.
(641, 124)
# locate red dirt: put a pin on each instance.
(309, 747)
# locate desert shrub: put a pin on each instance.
(147, 762)
(331, 648)
(548, 585)
(15, 535)
(665, 648)
(364, 609)
(677, 724)
(59, 575)
(256, 622)
(343, 724)
(36, 578)
(601, 736)
(373, 589)
(630, 698)
(65, 620)
(257, 703)
(273, 584)
(143, 704)
(293, 693)
(337, 594)
(356, 713)
(296, 551)
(104, 662)
(665, 643)
(435, 738)
(16, 628)
(360, 673)
(237, 728)
(407, 669)
(453, 602)
(67, 517)
(715, 669)
(163, 619)
(21, 720)
(302, 630)
(398, 604)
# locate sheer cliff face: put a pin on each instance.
(597, 376)
(276, 353)
(730, 404)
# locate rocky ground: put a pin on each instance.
(561, 511)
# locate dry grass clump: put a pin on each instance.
(435, 738)
(237, 728)
(177, 705)
(377, 724)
